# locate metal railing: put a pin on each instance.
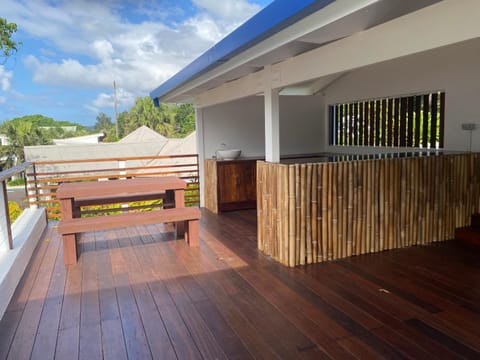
(5, 219)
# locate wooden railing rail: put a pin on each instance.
(45, 177)
(309, 213)
(5, 225)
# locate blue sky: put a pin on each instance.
(73, 50)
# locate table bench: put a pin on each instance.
(188, 215)
(73, 196)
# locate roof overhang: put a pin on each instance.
(283, 30)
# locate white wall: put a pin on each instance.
(301, 130)
(454, 69)
(26, 231)
(240, 124)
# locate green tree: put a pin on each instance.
(144, 112)
(185, 119)
(20, 134)
(104, 124)
(8, 47)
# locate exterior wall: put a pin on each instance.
(300, 124)
(240, 124)
(453, 69)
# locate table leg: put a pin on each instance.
(69, 240)
(191, 235)
(69, 249)
(180, 203)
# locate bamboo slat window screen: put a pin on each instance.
(409, 121)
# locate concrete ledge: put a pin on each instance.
(27, 231)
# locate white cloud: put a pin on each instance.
(124, 98)
(5, 77)
(3, 99)
(228, 10)
(98, 44)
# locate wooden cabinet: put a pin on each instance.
(230, 185)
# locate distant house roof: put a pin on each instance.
(143, 134)
(86, 139)
(140, 148)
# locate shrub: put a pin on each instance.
(14, 210)
(16, 182)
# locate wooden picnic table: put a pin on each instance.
(74, 195)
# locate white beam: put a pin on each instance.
(272, 126)
(199, 129)
(445, 23)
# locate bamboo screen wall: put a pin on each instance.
(409, 121)
(309, 213)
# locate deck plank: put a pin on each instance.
(139, 293)
(46, 338)
(23, 342)
(113, 343)
(157, 336)
(90, 327)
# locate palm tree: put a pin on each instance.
(19, 135)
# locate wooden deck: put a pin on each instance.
(137, 294)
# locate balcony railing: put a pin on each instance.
(45, 176)
(5, 226)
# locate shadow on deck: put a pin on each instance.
(138, 294)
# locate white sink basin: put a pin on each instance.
(230, 154)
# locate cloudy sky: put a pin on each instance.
(73, 50)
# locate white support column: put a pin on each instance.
(272, 125)
(201, 151)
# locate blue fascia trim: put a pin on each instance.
(272, 19)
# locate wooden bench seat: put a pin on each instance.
(187, 219)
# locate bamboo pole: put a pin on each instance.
(261, 225)
(297, 214)
(339, 201)
(330, 215)
(303, 191)
(325, 217)
(335, 187)
(403, 206)
(350, 192)
(308, 213)
(408, 201)
(367, 206)
(382, 202)
(355, 209)
(415, 186)
(291, 216)
(321, 213)
(345, 177)
(441, 200)
(315, 221)
(397, 205)
(279, 239)
(375, 180)
(387, 204)
(285, 218)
